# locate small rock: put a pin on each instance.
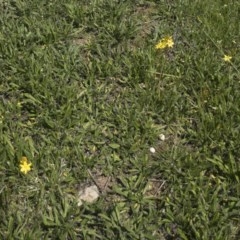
(152, 150)
(162, 137)
(88, 194)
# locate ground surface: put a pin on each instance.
(84, 95)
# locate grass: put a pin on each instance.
(85, 94)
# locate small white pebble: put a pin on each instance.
(89, 194)
(162, 137)
(152, 150)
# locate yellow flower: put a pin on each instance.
(24, 165)
(227, 58)
(165, 42)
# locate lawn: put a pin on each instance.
(140, 99)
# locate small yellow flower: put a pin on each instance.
(227, 58)
(165, 42)
(24, 165)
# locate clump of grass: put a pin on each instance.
(85, 93)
